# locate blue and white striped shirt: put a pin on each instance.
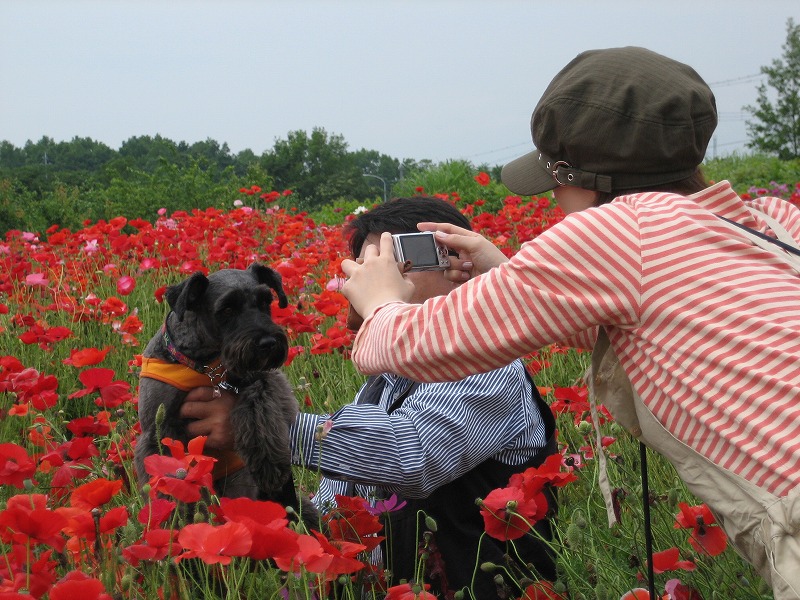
(441, 431)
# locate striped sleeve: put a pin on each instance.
(582, 272)
(440, 432)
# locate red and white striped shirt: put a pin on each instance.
(705, 324)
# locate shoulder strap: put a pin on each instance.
(784, 248)
(778, 242)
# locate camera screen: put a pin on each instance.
(420, 250)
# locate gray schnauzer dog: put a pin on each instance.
(220, 329)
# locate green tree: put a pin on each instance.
(11, 157)
(147, 153)
(775, 128)
(317, 167)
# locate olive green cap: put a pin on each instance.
(616, 119)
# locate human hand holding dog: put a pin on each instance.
(209, 410)
(476, 254)
(376, 280)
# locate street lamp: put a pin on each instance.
(384, 184)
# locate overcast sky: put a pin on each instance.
(436, 79)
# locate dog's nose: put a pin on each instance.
(267, 342)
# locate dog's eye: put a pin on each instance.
(228, 312)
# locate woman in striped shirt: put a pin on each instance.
(704, 324)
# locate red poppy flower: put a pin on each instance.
(155, 545)
(82, 527)
(352, 521)
(267, 523)
(113, 306)
(541, 590)
(27, 520)
(15, 465)
(508, 514)
(534, 479)
(181, 476)
(669, 560)
(410, 591)
(310, 554)
(86, 357)
(112, 393)
(91, 425)
(78, 585)
(270, 197)
(482, 178)
(95, 493)
(23, 569)
(156, 512)
(706, 538)
(319, 555)
(214, 544)
(37, 388)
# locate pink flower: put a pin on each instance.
(36, 279)
(335, 284)
(125, 285)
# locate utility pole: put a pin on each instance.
(385, 189)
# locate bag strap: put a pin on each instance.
(780, 243)
(784, 247)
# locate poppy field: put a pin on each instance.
(78, 307)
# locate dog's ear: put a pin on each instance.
(270, 278)
(187, 294)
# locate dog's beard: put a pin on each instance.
(255, 353)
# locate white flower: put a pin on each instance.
(359, 210)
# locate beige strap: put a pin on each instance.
(780, 232)
(602, 349)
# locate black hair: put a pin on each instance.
(401, 215)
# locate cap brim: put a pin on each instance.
(525, 176)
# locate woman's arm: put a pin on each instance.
(583, 272)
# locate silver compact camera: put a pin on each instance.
(422, 250)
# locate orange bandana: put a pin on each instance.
(185, 379)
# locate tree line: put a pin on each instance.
(66, 182)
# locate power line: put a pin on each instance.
(499, 149)
(736, 80)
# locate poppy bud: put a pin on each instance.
(580, 520)
(601, 592)
(127, 581)
(430, 523)
(488, 567)
(574, 536)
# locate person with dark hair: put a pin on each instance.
(437, 446)
(686, 288)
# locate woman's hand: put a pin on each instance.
(476, 254)
(377, 280)
(210, 409)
